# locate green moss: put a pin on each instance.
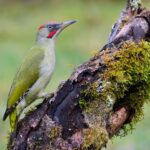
(54, 132)
(126, 81)
(94, 138)
(128, 71)
(92, 95)
(83, 104)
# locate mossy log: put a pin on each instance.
(102, 97)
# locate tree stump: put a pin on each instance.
(102, 97)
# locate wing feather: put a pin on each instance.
(27, 75)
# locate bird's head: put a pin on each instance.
(51, 30)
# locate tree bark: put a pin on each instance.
(63, 121)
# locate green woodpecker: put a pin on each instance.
(35, 72)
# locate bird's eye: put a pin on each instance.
(49, 27)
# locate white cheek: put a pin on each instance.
(44, 32)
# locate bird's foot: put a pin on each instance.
(45, 95)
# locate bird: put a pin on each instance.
(35, 71)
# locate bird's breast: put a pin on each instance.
(47, 65)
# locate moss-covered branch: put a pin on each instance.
(102, 97)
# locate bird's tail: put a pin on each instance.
(13, 120)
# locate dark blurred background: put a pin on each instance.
(19, 20)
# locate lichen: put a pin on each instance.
(135, 4)
(46, 136)
(92, 98)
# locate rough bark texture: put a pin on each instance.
(60, 122)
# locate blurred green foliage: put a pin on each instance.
(19, 20)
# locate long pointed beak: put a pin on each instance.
(62, 26)
(67, 23)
